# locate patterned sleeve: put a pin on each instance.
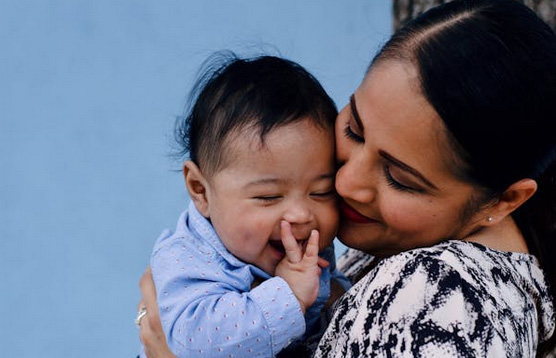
(410, 306)
(353, 264)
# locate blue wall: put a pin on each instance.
(88, 94)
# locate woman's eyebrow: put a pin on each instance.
(354, 111)
(407, 168)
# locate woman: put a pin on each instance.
(447, 174)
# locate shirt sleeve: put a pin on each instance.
(207, 311)
(413, 308)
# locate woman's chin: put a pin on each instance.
(355, 239)
(354, 244)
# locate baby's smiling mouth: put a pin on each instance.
(277, 244)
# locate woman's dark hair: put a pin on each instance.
(257, 94)
(488, 67)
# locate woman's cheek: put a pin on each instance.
(407, 218)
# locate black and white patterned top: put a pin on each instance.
(455, 299)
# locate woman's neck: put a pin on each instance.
(504, 236)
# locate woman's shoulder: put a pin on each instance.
(457, 294)
(354, 264)
(472, 262)
(432, 279)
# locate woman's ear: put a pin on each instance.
(197, 187)
(511, 199)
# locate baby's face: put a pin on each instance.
(290, 178)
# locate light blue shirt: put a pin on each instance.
(207, 306)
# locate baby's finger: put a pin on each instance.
(323, 263)
(293, 251)
(312, 249)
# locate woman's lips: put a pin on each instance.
(353, 215)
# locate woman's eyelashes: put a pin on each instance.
(396, 184)
(350, 134)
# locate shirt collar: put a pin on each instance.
(203, 229)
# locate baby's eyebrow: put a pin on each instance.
(277, 181)
(263, 181)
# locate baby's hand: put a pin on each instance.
(301, 269)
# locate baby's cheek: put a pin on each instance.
(329, 229)
(275, 233)
(326, 240)
(255, 230)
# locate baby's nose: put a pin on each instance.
(299, 214)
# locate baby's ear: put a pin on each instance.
(197, 186)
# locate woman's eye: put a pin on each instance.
(353, 128)
(353, 132)
(396, 184)
(350, 134)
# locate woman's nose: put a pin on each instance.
(354, 181)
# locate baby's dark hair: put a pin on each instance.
(259, 94)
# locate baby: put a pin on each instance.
(241, 276)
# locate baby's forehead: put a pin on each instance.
(257, 137)
(242, 144)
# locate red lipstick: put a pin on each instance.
(353, 215)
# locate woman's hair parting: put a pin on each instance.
(256, 94)
(488, 67)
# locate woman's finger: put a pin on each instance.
(151, 333)
(148, 301)
(293, 251)
(148, 292)
(141, 305)
(146, 284)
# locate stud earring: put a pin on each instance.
(490, 219)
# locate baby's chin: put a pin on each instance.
(323, 244)
(271, 270)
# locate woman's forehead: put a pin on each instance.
(397, 118)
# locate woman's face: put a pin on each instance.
(395, 180)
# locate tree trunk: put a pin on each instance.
(405, 10)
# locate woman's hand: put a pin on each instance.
(151, 333)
